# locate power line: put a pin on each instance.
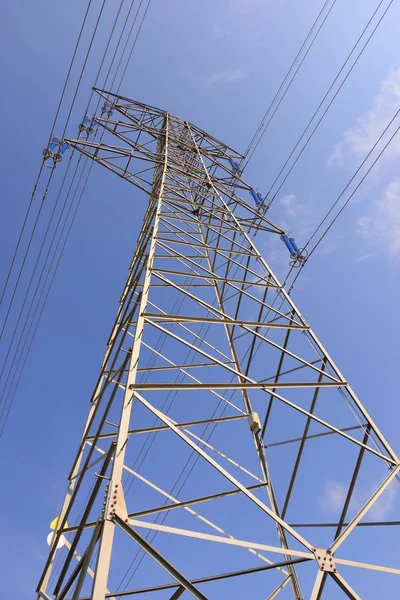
(34, 273)
(23, 366)
(118, 44)
(20, 235)
(286, 77)
(47, 188)
(330, 103)
(51, 174)
(51, 133)
(127, 41)
(353, 192)
(84, 66)
(104, 55)
(134, 44)
(26, 253)
(262, 128)
(69, 70)
(10, 403)
(341, 210)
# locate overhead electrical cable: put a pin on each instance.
(116, 50)
(374, 146)
(84, 66)
(330, 102)
(9, 401)
(126, 43)
(350, 181)
(330, 225)
(104, 55)
(58, 262)
(52, 171)
(20, 235)
(263, 126)
(252, 141)
(69, 70)
(26, 255)
(119, 43)
(47, 188)
(51, 133)
(134, 44)
(39, 280)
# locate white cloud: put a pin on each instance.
(335, 493)
(365, 257)
(226, 77)
(299, 218)
(252, 7)
(384, 504)
(381, 227)
(289, 202)
(358, 140)
(219, 31)
(242, 7)
(219, 77)
(334, 496)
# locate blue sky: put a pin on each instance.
(218, 65)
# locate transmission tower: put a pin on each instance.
(218, 418)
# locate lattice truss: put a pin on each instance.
(218, 417)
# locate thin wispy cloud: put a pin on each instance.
(219, 31)
(358, 140)
(364, 257)
(289, 203)
(335, 493)
(226, 77)
(242, 7)
(300, 219)
(380, 228)
(251, 7)
(334, 496)
(219, 77)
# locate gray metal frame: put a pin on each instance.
(203, 321)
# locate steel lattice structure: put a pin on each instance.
(243, 414)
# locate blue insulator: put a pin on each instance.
(54, 143)
(260, 201)
(63, 148)
(86, 126)
(258, 198)
(234, 164)
(294, 245)
(255, 197)
(298, 255)
(49, 151)
(107, 109)
(288, 244)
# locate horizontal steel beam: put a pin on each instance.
(221, 321)
(366, 524)
(167, 507)
(219, 577)
(236, 386)
(165, 427)
(312, 437)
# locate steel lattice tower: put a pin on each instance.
(243, 414)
